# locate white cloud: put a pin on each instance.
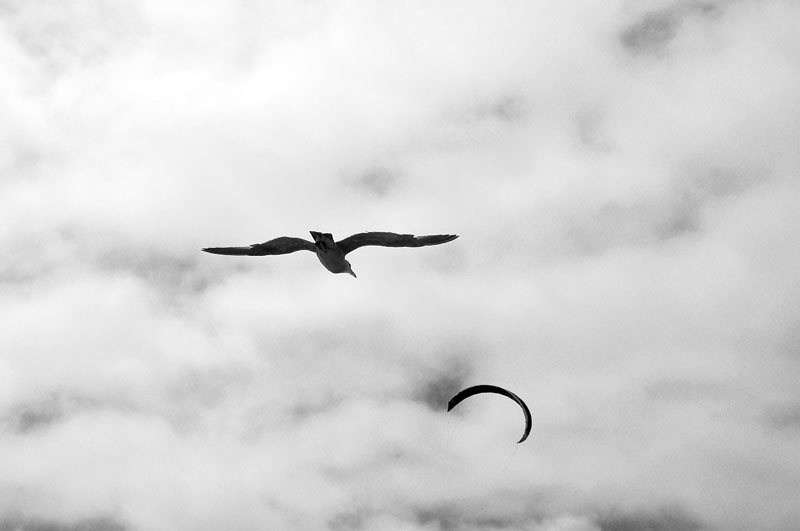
(623, 179)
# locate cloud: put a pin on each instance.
(449, 380)
(377, 181)
(622, 178)
(653, 31)
(38, 415)
(88, 524)
(783, 418)
(673, 520)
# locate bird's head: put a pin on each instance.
(348, 269)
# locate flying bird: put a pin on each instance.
(330, 252)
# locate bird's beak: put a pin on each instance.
(351, 272)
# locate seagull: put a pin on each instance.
(330, 252)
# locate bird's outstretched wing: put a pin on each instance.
(390, 239)
(282, 245)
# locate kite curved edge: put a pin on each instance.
(479, 389)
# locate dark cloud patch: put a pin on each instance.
(483, 122)
(40, 414)
(16, 275)
(181, 272)
(443, 518)
(509, 108)
(682, 390)
(615, 224)
(189, 397)
(60, 36)
(672, 519)
(505, 109)
(25, 158)
(156, 268)
(682, 220)
(32, 257)
(451, 519)
(100, 523)
(9, 7)
(307, 408)
(350, 520)
(378, 181)
(686, 204)
(24, 419)
(652, 32)
(172, 274)
(504, 510)
(676, 213)
(175, 271)
(783, 418)
(719, 183)
(691, 196)
(444, 382)
(590, 129)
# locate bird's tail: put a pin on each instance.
(321, 236)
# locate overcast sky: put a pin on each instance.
(623, 176)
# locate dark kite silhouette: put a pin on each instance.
(477, 389)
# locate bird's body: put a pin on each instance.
(330, 252)
(330, 255)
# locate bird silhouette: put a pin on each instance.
(330, 252)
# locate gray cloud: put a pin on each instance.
(664, 520)
(173, 275)
(683, 390)
(27, 417)
(60, 38)
(448, 379)
(508, 108)
(39, 524)
(653, 31)
(784, 418)
(622, 177)
(377, 181)
(679, 212)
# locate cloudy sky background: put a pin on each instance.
(624, 179)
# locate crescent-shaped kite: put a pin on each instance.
(478, 389)
(330, 252)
